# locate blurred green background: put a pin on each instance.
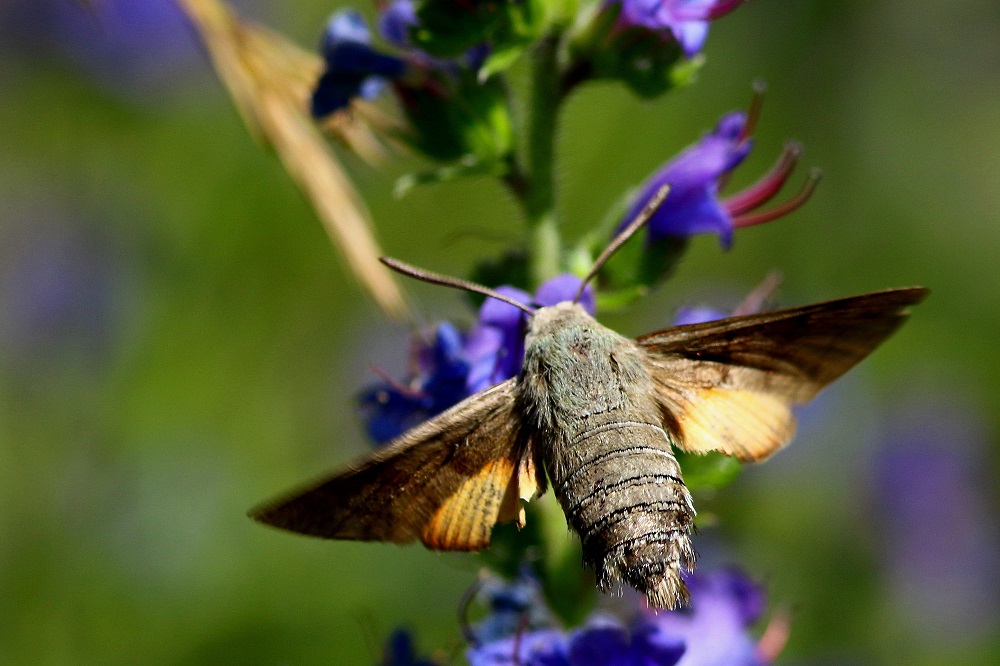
(178, 339)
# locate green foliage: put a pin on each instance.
(710, 471)
(459, 117)
(448, 28)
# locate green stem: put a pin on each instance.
(539, 200)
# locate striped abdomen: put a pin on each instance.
(622, 492)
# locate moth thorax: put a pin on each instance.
(625, 497)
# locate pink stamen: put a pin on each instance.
(710, 13)
(761, 294)
(395, 384)
(753, 112)
(775, 636)
(752, 219)
(768, 186)
(753, 115)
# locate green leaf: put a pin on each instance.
(641, 263)
(465, 167)
(510, 268)
(459, 117)
(710, 471)
(619, 299)
(501, 59)
(448, 28)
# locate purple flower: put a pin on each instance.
(686, 20)
(605, 643)
(512, 606)
(353, 67)
(714, 631)
(438, 381)
(725, 603)
(452, 367)
(496, 344)
(696, 175)
(697, 314)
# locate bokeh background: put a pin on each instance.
(178, 339)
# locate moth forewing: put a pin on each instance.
(729, 385)
(444, 482)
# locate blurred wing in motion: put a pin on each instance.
(729, 385)
(270, 81)
(445, 482)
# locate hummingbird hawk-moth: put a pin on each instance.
(597, 415)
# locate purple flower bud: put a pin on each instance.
(399, 651)
(686, 20)
(353, 67)
(696, 175)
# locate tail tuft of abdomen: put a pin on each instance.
(627, 501)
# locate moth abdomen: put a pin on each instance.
(622, 491)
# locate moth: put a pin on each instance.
(597, 415)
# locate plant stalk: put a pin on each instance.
(539, 199)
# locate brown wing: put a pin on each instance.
(445, 482)
(729, 385)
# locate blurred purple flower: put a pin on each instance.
(396, 20)
(512, 606)
(452, 367)
(605, 643)
(712, 632)
(138, 49)
(353, 67)
(686, 20)
(938, 534)
(63, 287)
(752, 303)
(399, 651)
(696, 175)
(697, 314)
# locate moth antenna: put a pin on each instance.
(454, 283)
(637, 223)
